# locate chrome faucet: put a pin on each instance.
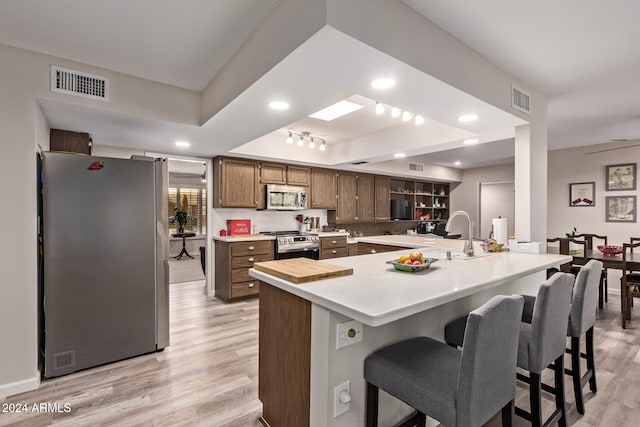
(468, 245)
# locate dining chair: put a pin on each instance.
(450, 385)
(629, 283)
(603, 292)
(564, 249)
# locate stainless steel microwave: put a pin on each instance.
(286, 197)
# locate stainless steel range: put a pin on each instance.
(293, 244)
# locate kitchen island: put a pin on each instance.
(299, 363)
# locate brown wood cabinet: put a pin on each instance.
(70, 142)
(273, 173)
(298, 175)
(233, 261)
(333, 247)
(382, 205)
(323, 188)
(366, 198)
(352, 249)
(374, 248)
(235, 183)
(347, 197)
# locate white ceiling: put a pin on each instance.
(579, 52)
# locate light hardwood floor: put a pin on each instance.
(208, 376)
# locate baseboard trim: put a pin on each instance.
(21, 386)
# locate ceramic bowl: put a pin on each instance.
(610, 249)
(412, 268)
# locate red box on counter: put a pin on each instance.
(238, 226)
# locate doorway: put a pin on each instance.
(497, 199)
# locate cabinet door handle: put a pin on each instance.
(334, 242)
(373, 251)
(251, 285)
(334, 251)
(251, 248)
(250, 259)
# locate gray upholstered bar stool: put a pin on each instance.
(448, 384)
(542, 342)
(582, 319)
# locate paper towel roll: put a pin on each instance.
(500, 230)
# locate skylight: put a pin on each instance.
(336, 110)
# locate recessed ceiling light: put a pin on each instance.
(279, 105)
(399, 155)
(419, 120)
(457, 163)
(183, 144)
(395, 112)
(383, 83)
(336, 110)
(468, 118)
(471, 141)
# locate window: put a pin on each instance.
(194, 202)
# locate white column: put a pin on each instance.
(531, 182)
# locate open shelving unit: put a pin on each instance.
(425, 200)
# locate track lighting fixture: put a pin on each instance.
(406, 116)
(395, 112)
(303, 136)
(379, 108)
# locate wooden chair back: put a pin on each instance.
(589, 239)
(629, 286)
(564, 249)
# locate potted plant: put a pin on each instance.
(180, 217)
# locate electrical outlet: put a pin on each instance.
(341, 398)
(348, 333)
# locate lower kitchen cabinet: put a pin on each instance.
(374, 248)
(353, 249)
(233, 261)
(333, 247)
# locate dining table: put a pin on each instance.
(582, 256)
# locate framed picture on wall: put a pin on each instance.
(621, 177)
(582, 194)
(621, 209)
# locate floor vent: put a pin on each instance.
(415, 167)
(78, 83)
(520, 100)
(64, 360)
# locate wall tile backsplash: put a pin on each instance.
(264, 220)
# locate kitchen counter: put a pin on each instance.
(243, 238)
(376, 294)
(387, 307)
(330, 233)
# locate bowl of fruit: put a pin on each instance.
(491, 245)
(412, 263)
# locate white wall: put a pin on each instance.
(25, 80)
(264, 220)
(577, 165)
(465, 196)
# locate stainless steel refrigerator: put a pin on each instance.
(104, 272)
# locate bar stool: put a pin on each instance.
(582, 319)
(448, 384)
(541, 342)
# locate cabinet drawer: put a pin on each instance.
(248, 248)
(240, 275)
(244, 289)
(334, 252)
(333, 242)
(372, 248)
(248, 260)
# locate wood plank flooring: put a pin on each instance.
(208, 376)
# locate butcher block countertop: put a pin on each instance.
(375, 294)
(302, 270)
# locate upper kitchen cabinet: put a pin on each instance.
(235, 183)
(366, 198)
(323, 189)
(382, 188)
(346, 210)
(273, 173)
(278, 173)
(298, 175)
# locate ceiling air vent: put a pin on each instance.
(520, 100)
(78, 83)
(415, 167)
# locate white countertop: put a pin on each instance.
(247, 238)
(417, 241)
(376, 294)
(330, 233)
